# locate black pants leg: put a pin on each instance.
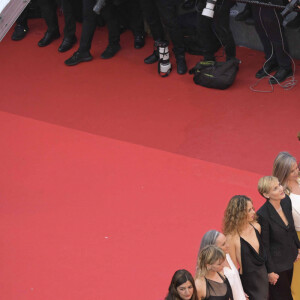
(169, 12)
(135, 16)
(151, 14)
(48, 10)
(22, 19)
(110, 15)
(282, 289)
(206, 36)
(70, 21)
(268, 24)
(222, 26)
(88, 26)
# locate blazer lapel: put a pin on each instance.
(275, 216)
(287, 212)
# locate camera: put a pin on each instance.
(164, 64)
(208, 11)
(290, 7)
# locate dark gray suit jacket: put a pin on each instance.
(280, 241)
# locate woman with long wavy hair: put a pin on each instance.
(245, 246)
(182, 286)
(285, 168)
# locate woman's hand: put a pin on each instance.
(273, 277)
(298, 257)
(246, 295)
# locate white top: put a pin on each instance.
(296, 210)
(234, 279)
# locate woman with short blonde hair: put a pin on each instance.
(209, 281)
(216, 238)
(279, 237)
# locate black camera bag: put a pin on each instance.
(215, 75)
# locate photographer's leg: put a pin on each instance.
(206, 37)
(169, 13)
(222, 26)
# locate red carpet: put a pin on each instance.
(111, 174)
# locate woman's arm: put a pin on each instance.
(265, 236)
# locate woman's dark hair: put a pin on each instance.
(180, 277)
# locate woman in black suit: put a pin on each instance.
(279, 237)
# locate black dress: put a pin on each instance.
(218, 290)
(255, 277)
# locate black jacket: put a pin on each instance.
(280, 241)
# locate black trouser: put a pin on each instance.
(22, 19)
(131, 10)
(48, 9)
(151, 14)
(89, 24)
(282, 289)
(169, 12)
(218, 26)
(268, 24)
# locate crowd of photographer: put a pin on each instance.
(212, 24)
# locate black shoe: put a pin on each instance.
(48, 38)
(19, 32)
(110, 51)
(77, 58)
(243, 15)
(139, 41)
(281, 75)
(181, 64)
(67, 44)
(266, 70)
(151, 59)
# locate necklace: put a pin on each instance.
(279, 209)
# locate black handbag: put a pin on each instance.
(215, 75)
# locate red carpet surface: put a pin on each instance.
(87, 217)
(110, 174)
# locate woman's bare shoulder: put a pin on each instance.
(199, 281)
(201, 287)
(257, 226)
(232, 238)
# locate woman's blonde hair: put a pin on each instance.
(265, 183)
(235, 216)
(282, 166)
(208, 256)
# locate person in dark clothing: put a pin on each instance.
(152, 17)
(268, 24)
(279, 237)
(218, 26)
(89, 24)
(131, 14)
(21, 27)
(169, 13)
(111, 17)
(48, 10)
